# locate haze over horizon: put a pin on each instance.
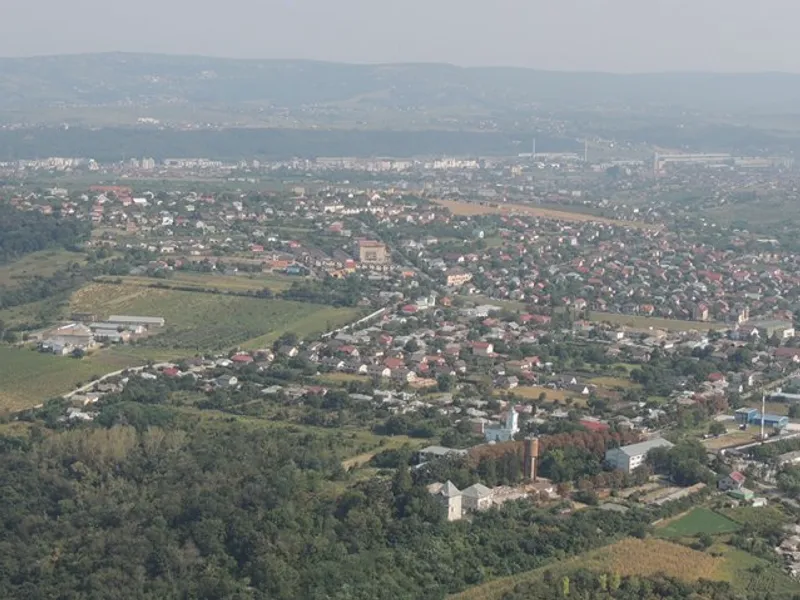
(571, 35)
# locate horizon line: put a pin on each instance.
(391, 64)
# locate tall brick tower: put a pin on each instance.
(531, 458)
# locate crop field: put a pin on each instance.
(469, 209)
(630, 556)
(42, 264)
(197, 321)
(698, 520)
(642, 322)
(28, 377)
(204, 281)
(758, 518)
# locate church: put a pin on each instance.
(506, 432)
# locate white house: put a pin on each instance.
(628, 458)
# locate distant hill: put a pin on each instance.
(62, 86)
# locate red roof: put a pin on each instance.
(737, 477)
(171, 372)
(394, 363)
(242, 358)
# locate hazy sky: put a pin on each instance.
(606, 35)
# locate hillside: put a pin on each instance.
(150, 81)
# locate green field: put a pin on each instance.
(758, 518)
(28, 377)
(697, 521)
(41, 264)
(204, 281)
(640, 322)
(198, 322)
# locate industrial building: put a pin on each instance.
(752, 416)
(130, 321)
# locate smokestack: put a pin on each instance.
(763, 410)
(531, 458)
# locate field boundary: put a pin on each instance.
(465, 208)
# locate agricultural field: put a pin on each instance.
(207, 281)
(461, 208)
(38, 264)
(697, 521)
(630, 556)
(28, 377)
(757, 518)
(198, 322)
(753, 574)
(642, 322)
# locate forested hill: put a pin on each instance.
(23, 232)
(149, 503)
(149, 80)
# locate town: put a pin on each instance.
(539, 345)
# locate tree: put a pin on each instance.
(412, 345)
(445, 382)
(794, 411)
(717, 428)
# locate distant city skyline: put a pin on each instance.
(574, 35)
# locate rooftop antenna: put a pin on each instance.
(763, 409)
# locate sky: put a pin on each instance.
(575, 35)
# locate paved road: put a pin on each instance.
(91, 384)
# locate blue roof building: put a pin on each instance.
(752, 416)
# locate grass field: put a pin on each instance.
(641, 322)
(392, 443)
(40, 312)
(532, 392)
(696, 521)
(340, 378)
(28, 377)
(203, 281)
(43, 264)
(198, 321)
(630, 556)
(732, 438)
(469, 209)
(615, 382)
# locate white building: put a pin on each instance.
(450, 497)
(503, 433)
(477, 497)
(628, 458)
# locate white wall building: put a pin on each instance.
(628, 458)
